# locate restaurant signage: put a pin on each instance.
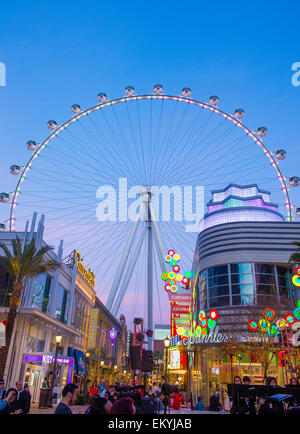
(213, 337)
(88, 275)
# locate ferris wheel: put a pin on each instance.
(98, 179)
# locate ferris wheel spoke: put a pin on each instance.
(116, 139)
(133, 153)
(97, 147)
(67, 158)
(109, 147)
(155, 145)
(97, 157)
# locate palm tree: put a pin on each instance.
(157, 356)
(295, 257)
(21, 265)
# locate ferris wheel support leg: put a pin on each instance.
(159, 244)
(122, 292)
(150, 280)
(121, 268)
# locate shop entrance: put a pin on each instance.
(33, 377)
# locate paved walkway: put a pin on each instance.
(77, 409)
(34, 409)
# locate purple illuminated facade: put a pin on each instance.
(240, 203)
(29, 358)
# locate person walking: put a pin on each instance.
(214, 402)
(22, 402)
(156, 389)
(69, 396)
(105, 390)
(94, 390)
(2, 390)
(99, 406)
(177, 399)
(199, 405)
(101, 386)
(123, 406)
(26, 388)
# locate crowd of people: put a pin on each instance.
(105, 398)
(14, 400)
(251, 404)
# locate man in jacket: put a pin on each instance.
(22, 400)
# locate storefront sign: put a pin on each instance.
(92, 335)
(182, 322)
(174, 357)
(180, 297)
(213, 337)
(180, 309)
(296, 334)
(88, 275)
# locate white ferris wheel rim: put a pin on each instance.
(109, 103)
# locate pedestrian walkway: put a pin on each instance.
(76, 409)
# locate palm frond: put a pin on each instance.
(26, 263)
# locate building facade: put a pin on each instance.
(241, 267)
(59, 303)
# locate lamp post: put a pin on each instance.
(166, 392)
(101, 373)
(58, 340)
(87, 355)
(166, 344)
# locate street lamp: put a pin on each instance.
(58, 340)
(166, 344)
(87, 355)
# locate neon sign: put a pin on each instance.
(173, 277)
(112, 334)
(296, 277)
(88, 275)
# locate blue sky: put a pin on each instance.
(60, 53)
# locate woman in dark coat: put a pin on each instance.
(214, 402)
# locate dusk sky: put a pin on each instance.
(60, 53)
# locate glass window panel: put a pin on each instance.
(243, 300)
(240, 268)
(218, 290)
(243, 289)
(219, 301)
(61, 304)
(217, 271)
(282, 271)
(266, 289)
(218, 280)
(241, 278)
(263, 279)
(264, 269)
(42, 292)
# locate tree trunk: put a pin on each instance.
(14, 303)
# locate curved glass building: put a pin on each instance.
(242, 252)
